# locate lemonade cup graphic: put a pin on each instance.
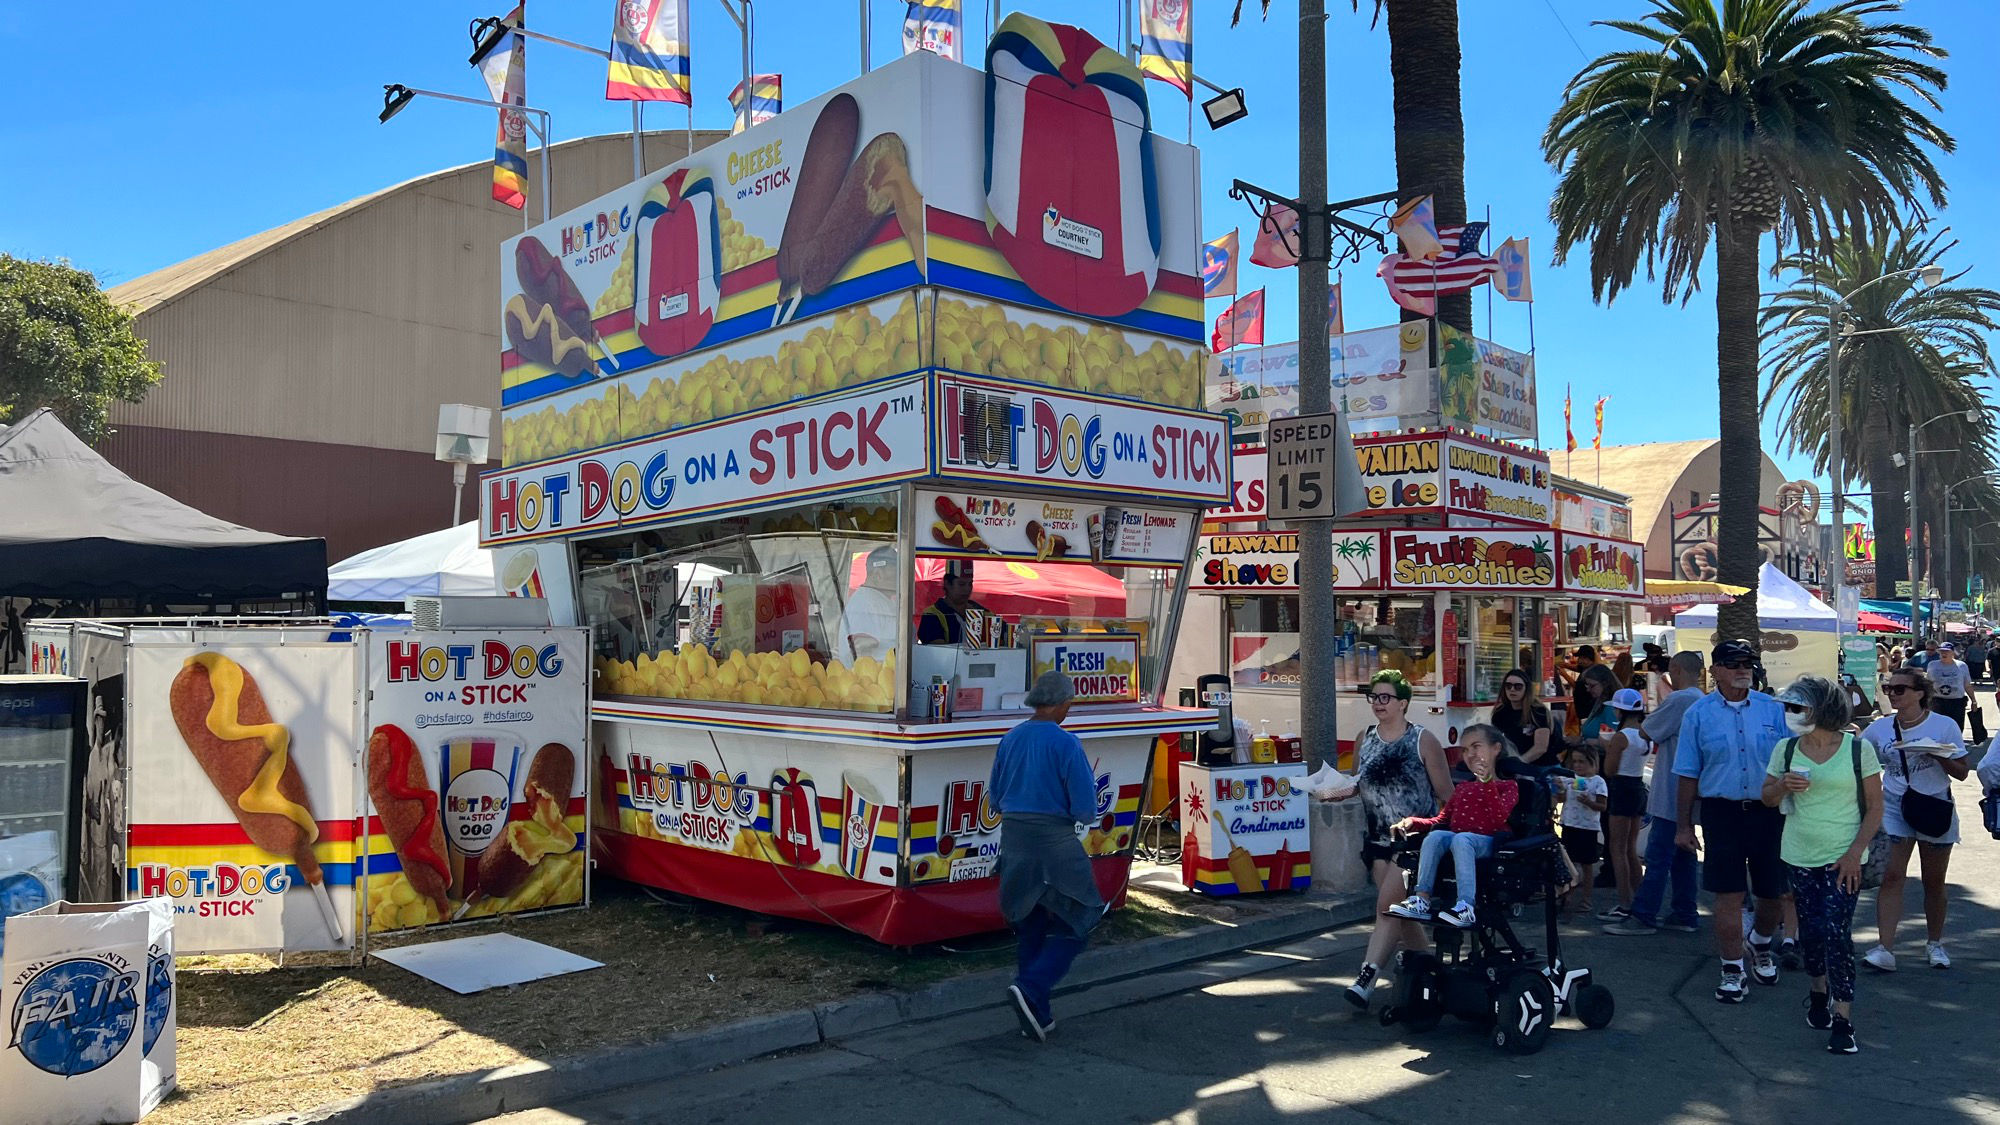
(477, 770)
(521, 576)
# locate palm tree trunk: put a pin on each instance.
(1742, 453)
(1885, 500)
(1430, 127)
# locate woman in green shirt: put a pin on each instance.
(1832, 800)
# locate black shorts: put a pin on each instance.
(1627, 796)
(1740, 843)
(1580, 844)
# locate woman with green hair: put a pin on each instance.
(1400, 771)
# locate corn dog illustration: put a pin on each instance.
(523, 844)
(840, 200)
(408, 808)
(222, 716)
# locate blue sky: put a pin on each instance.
(231, 122)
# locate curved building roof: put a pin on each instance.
(1662, 477)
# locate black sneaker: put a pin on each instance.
(1363, 987)
(1819, 1013)
(1024, 1013)
(1840, 1040)
(1789, 957)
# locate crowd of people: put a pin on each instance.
(1782, 805)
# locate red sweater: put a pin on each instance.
(1480, 807)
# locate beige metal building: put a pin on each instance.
(304, 366)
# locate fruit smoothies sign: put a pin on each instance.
(1103, 667)
(476, 799)
(1493, 560)
(853, 439)
(1610, 568)
(242, 796)
(1012, 432)
(1498, 482)
(1068, 203)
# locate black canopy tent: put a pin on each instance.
(73, 527)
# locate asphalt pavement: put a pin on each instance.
(1266, 1036)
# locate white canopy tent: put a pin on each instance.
(1798, 629)
(441, 563)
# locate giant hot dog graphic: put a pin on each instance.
(523, 844)
(841, 200)
(222, 716)
(408, 808)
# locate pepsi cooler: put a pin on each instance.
(41, 769)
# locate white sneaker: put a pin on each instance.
(1416, 908)
(1939, 958)
(1880, 959)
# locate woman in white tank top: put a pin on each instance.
(1625, 752)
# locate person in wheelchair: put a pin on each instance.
(1467, 829)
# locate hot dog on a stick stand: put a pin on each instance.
(768, 408)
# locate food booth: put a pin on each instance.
(1464, 565)
(763, 409)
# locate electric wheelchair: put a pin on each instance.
(1486, 974)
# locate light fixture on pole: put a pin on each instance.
(1227, 106)
(490, 31)
(464, 434)
(1836, 329)
(395, 96)
(1910, 538)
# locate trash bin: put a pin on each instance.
(89, 990)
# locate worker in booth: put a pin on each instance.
(868, 626)
(943, 621)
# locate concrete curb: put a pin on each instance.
(478, 1095)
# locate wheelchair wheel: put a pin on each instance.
(1594, 1006)
(1524, 1013)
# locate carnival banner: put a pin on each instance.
(1484, 386)
(1378, 374)
(984, 524)
(1017, 432)
(861, 438)
(1605, 568)
(476, 793)
(242, 793)
(1489, 560)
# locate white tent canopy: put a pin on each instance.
(441, 563)
(1781, 604)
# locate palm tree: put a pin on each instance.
(1724, 125)
(1897, 371)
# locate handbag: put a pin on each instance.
(1978, 722)
(1926, 815)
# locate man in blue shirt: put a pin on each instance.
(1725, 744)
(1043, 787)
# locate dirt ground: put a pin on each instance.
(258, 1039)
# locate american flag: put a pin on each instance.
(1457, 269)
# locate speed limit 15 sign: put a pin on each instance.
(1300, 468)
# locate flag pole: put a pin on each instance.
(638, 141)
(1486, 240)
(864, 36)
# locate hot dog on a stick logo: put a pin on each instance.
(491, 671)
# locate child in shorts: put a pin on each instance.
(1584, 800)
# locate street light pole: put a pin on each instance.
(395, 96)
(1319, 688)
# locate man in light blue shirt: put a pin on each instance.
(1725, 744)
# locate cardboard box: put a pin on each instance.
(88, 994)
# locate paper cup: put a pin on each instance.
(521, 576)
(860, 813)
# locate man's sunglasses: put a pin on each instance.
(1738, 665)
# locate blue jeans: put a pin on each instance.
(1046, 949)
(1466, 848)
(1664, 863)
